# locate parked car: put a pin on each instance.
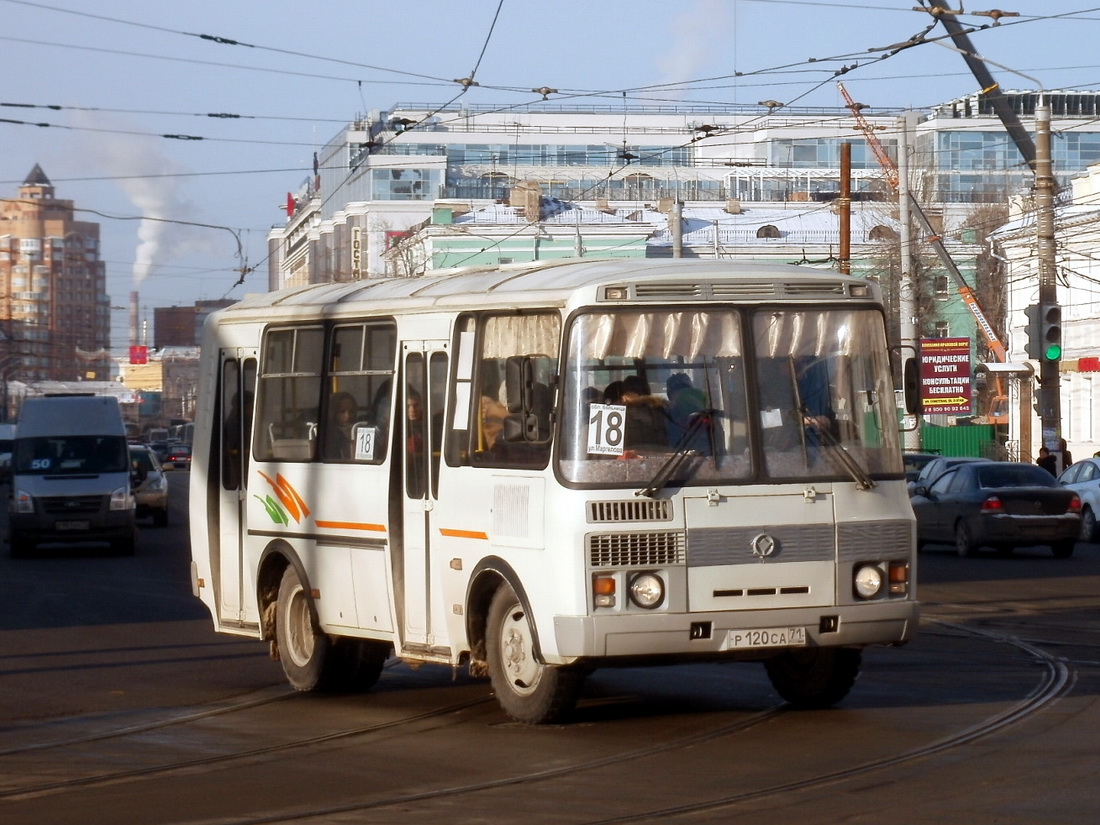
(179, 455)
(150, 486)
(998, 503)
(1084, 479)
(937, 467)
(915, 462)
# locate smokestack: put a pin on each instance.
(134, 341)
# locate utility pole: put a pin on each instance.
(844, 208)
(1050, 399)
(991, 89)
(907, 286)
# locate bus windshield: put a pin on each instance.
(705, 396)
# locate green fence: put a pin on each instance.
(979, 440)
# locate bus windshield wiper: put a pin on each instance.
(667, 470)
(845, 459)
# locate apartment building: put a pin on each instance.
(54, 307)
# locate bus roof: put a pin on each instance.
(554, 282)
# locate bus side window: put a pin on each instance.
(290, 394)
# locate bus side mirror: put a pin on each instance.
(912, 386)
(518, 381)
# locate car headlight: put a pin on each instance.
(647, 590)
(121, 499)
(868, 581)
(24, 502)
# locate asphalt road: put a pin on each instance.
(119, 704)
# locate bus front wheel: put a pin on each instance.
(814, 677)
(528, 690)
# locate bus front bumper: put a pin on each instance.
(733, 634)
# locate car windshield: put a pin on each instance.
(71, 455)
(1024, 475)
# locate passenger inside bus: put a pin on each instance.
(414, 443)
(647, 416)
(340, 433)
(492, 409)
(380, 408)
(685, 403)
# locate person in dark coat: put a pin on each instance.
(1047, 461)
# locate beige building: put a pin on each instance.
(54, 307)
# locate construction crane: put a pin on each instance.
(998, 409)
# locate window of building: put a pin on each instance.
(404, 184)
(942, 329)
(767, 231)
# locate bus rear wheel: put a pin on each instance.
(528, 690)
(814, 677)
(354, 664)
(302, 648)
(313, 661)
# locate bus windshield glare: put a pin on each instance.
(727, 396)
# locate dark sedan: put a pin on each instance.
(179, 455)
(1000, 504)
(915, 462)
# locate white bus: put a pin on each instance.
(537, 470)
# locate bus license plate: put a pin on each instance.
(72, 525)
(766, 637)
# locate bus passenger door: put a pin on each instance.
(424, 389)
(237, 389)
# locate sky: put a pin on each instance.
(136, 93)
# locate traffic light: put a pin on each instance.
(1051, 334)
(1034, 332)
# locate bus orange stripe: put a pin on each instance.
(352, 525)
(463, 534)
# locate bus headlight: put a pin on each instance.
(647, 590)
(868, 581)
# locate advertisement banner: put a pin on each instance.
(945, 376)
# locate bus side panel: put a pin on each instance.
(216, 531)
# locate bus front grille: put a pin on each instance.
(602, 512)
(636, 549)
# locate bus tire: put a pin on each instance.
(527, 690)
(814, 677)
(303, 649)
(354, 665)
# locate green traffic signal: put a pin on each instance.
(1051, 332)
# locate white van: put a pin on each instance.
(71, 474)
